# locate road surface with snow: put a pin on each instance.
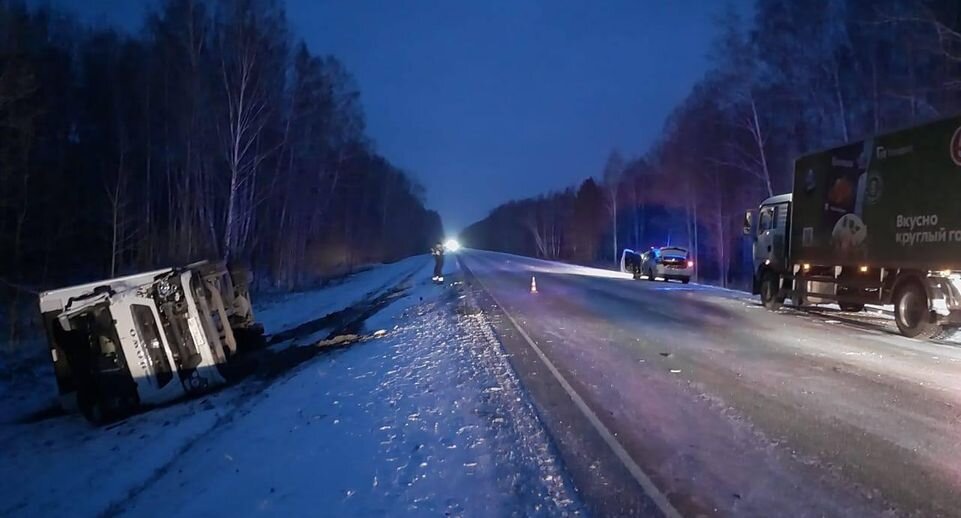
(724, 407)
(597, 395)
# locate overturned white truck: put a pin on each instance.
(146, 338)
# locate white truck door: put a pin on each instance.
(763, 244)
(148, 354)
(769, 247)
(210, 349)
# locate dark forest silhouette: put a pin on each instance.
(802, 77)
(207, 134)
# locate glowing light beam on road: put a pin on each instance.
(583, 271)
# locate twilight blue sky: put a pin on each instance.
(485, 101)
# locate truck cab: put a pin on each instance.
(769, 230)
(142, 339)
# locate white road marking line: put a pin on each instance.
(659, 499)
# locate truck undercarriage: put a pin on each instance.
(927, 304)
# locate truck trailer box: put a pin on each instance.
(890, 201)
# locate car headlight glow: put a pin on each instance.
(452, 245)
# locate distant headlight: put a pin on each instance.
(451, 245)
(690, 264)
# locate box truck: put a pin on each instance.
(870, 222)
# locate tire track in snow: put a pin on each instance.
(250, 393)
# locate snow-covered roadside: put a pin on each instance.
(27, 383)
(426, 420)
(281, 312)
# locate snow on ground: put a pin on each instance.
(429, 419)
(283, 312)
(28, 386)
(27, 383)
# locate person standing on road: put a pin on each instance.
(438, 252)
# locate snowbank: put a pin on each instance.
(27, 383)
(280, 313)
(28, 386)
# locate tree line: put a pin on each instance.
(212, 132)
(797, 77)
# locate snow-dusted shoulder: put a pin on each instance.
(427, 419)
(281, 312)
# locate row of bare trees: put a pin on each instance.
(798, 77)
(209, 133)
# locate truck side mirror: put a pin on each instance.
(749, 223)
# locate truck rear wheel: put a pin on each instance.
(90, 407)
(911, 312)
(770, 291)
(93, 408)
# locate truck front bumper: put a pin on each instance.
(945, 297)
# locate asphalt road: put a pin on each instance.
(726, 408)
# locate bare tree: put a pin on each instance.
(248, 46)
(611, 178)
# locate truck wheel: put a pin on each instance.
(91, 408)
(911, 312)
(770, 288)
(851, 307)
(686, 280)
